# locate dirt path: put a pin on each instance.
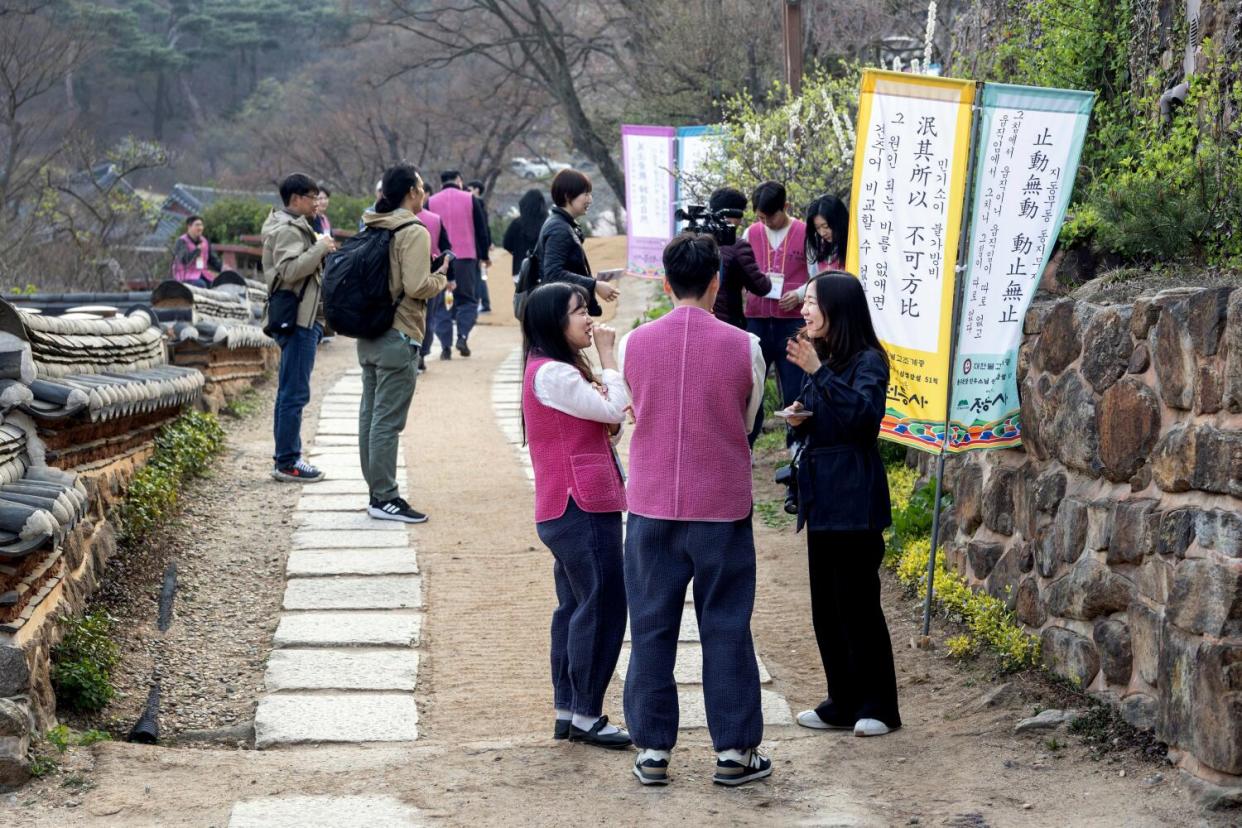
(485, 756)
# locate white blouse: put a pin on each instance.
(559, 385)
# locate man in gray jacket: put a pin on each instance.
(293, 257)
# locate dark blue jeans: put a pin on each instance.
(297, 360)
(773, 334)
(436, 309)
(465, 310)
(661, 557)
(589, 624)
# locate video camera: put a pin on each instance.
(699, 219)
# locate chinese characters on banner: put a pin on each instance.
(647, 153)
(909, 183)
(1025, 164)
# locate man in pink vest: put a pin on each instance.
(696, 384)
(441, 261)
(466, 223)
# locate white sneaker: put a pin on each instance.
(871, 727)
(811, 719)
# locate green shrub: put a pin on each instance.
(82, 665)
(182, 449)
(345, 211)
(228, 219)
(892, 454)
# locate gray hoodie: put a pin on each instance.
(291, 255)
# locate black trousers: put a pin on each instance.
(850, 627)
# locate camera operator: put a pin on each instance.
(737, 261)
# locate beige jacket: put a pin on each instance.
(409, 270)
(291, 255)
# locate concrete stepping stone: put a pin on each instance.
(348, 629)
(354, 592)
(338, 486)
(305, 718)
(693, 711)
(310, 563)
(689, 666)
(329, 539)
(324, 812)
(360, 521)
(338, 426)
(342, 440)
(310, 502)
(342, 670)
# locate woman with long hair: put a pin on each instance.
(523, 232)
(569, 415)
(828, 229)
(843, 502)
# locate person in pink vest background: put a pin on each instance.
(441, 262)
(466, 224)
(569, 416)
(779, 243)
(193, 259)
(696, 384)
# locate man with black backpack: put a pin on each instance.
(376, 290)
(293, 255)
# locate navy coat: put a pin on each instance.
(841, 482)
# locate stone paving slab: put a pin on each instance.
(348, 629)
(338, 471)
(350, 592)
(349, 539)
(689, 666)
(359, 521)
(310, 502)
(694, 712)
(342, 670)
(689, 628)
(324, 812)
(341, 440)
(338, 426)
(337, 486)
(291, 719)
(310, 563)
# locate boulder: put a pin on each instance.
(1112, 641)
(1209, 388)
(1154, 578)
(1217, 700)
(1100, 524)
(1140, 711)
(1140, 359)
(1220, 530)
(1002, 581)
(983, 557)
(1218, 460)
(1175, 532)
(1073, 423)
(1233, 363)
(1069, 530)
(1049, 490)
(1207, 312)
(1206, 598)
(998, 505)
(1029, 607)
(1135, 526)
(1089, 591)
(1106, 347)
(1069, 655)
(1046, 560)
(1143, 316)
(1060, 340)
(14, 671)
(1145, 635)
(1046, 720)
(1173, 356)
(1034, 409)
(1173, 459)
(1179, 655)
(968, 498)
(1036, 314)
(1128, 421)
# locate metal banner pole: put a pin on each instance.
(959, 289)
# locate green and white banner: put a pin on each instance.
(1026, 158)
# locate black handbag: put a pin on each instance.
(282, 310)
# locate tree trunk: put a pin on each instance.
(196, 108)
(157, 126)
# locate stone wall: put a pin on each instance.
(1117, 533)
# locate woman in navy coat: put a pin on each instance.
(843, 502)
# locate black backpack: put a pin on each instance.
(356, 299)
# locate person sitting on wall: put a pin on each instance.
(193, 259)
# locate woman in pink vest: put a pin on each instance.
(193, 259)
(570, 416)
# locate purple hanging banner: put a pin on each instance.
(647, 155)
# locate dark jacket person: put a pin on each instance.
(843, 502)
(739, 270)
(562, 257)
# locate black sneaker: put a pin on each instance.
(561, 731)
(733, 773)
(462, 347)
(422, 364)
(446, 353)
(651, 771)
(611, 741)
(299, 472)
(396, 509)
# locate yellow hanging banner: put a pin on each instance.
(910, 168)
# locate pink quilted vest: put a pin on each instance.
(190, 271)
(789, 258)
(571, 456)
(433, 224)
(690, 379)
(456, 209)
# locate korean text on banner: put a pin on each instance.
(909, 184)
(1026, 160)
(647, 153)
